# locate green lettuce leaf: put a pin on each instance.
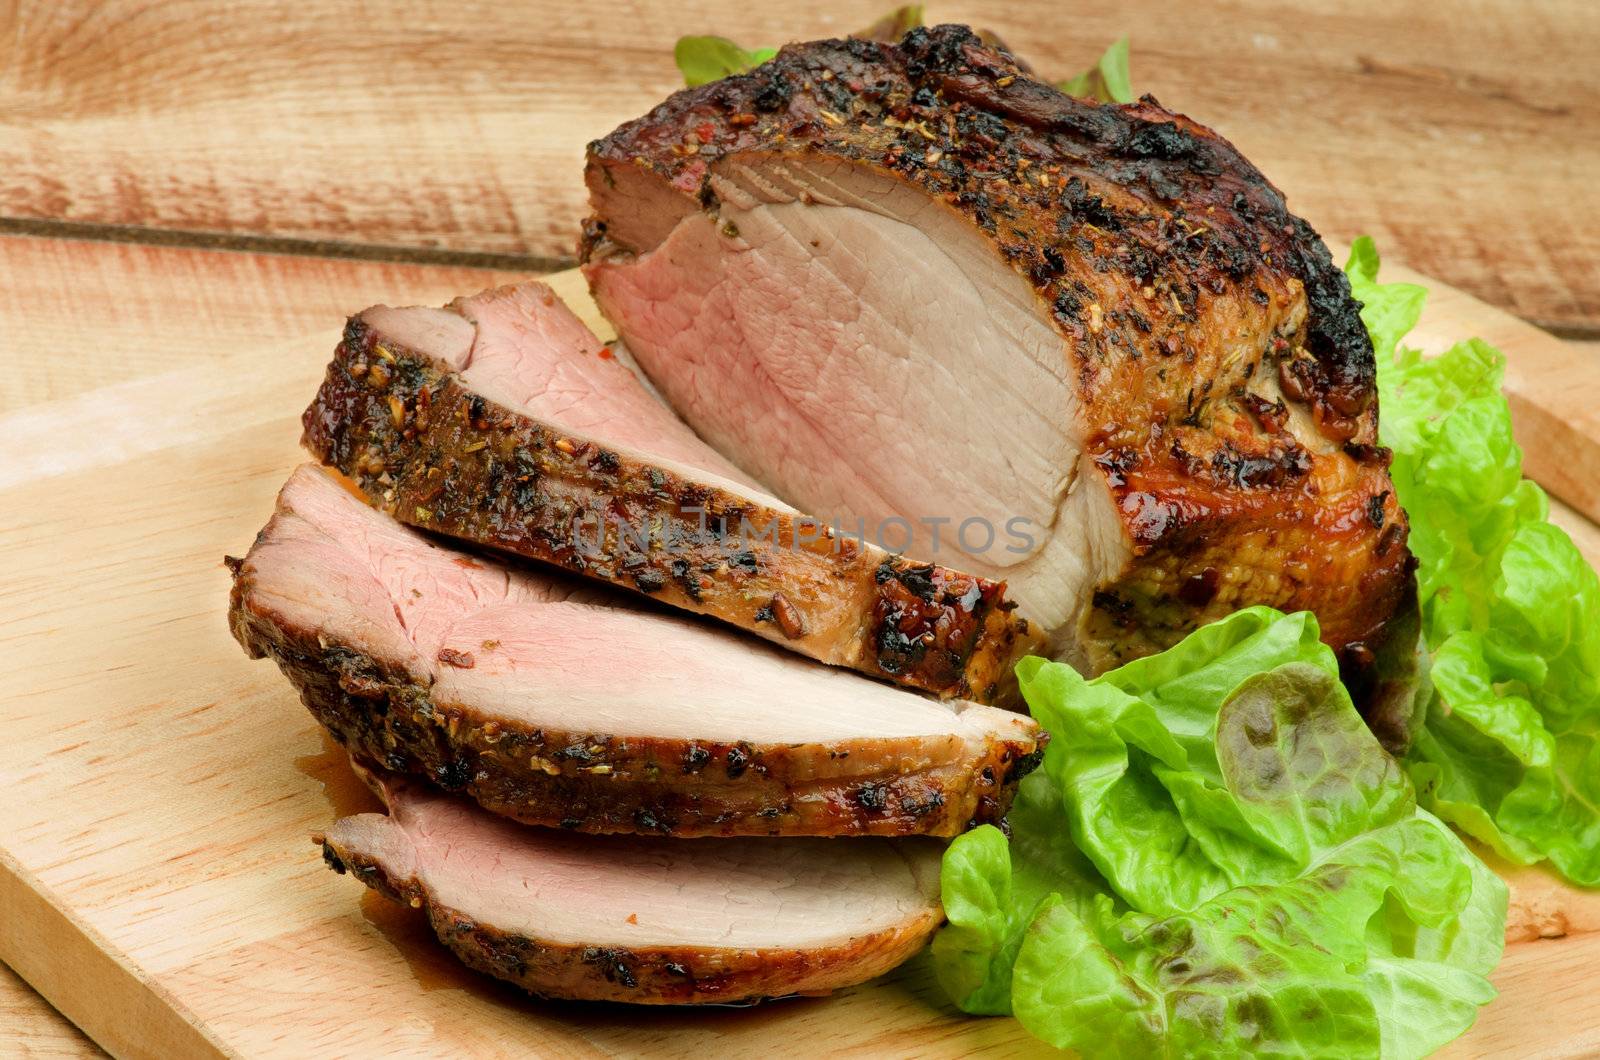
(993, 890)
(1189, 880)
(1108, 80)
(705, 59)
(891, 27)
(1510, 750)
(1135, 751)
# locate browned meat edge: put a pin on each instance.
(585, 781)
(429, 451)
(659, 976)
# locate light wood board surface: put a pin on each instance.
(157, 883)
(31, 1030)
(1464, 135)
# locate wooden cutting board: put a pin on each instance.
(157, 883)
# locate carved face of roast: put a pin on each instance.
(849, 341)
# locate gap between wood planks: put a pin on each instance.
(252, 244)
(411, 255)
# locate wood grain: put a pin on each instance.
(1464, 136)
(32, 1030)
(209, 301)
(1544, 1008)
(156, 878)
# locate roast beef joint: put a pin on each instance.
(914, 281)
(651, 723)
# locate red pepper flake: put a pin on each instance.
(461, 660)
(606, 354)
(705, 131)
(633, 918)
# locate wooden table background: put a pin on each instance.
(1464, 136)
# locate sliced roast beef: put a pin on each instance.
(502, 420)
(652, 921)
(914, 281)
(550, 701)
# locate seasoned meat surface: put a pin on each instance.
(503, 421)
(650, 921)
(553, 702)
(910, 280)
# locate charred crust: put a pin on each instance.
(871, 797)
(695, 758)
(1335, 334)
(454, 774)
(1375, 504)
(646, 822)
(614, 963)
(1022, 765)
(330, 857)
(927, 619)
(1116, 463)
(1108, 601)
(1280, 465)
